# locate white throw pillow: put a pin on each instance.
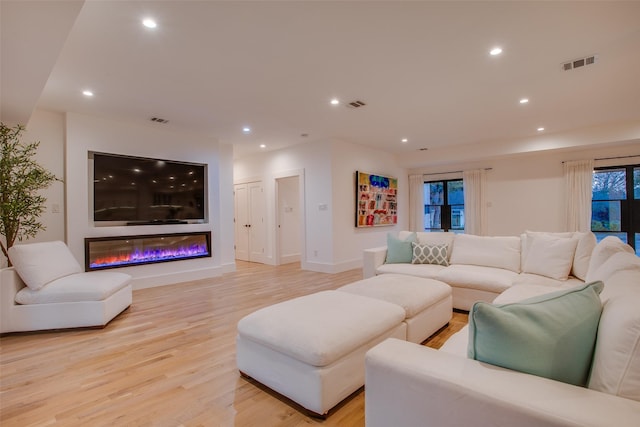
(549, 256)
(586, 243)
(40, 263)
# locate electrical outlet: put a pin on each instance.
(315, 253)
(55, 208)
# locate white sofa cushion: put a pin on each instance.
(520, 292)
(603, 251)
(549, 256)
(616, 362)
(428, 271)
(476, 277)
(526, 279)
(92, 286)
(40, 263)
(488, 251)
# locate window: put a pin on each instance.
(615, 204)
(444, 206)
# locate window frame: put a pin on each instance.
(445, 207)
(628, 224)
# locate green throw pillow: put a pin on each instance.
(399, 251)
(551, 335)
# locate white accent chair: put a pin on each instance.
(47, 289)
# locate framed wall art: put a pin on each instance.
(376, 200)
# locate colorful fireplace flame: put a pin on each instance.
(150, 255)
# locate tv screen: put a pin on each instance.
(142, 190)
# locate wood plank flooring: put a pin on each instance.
(169, 360)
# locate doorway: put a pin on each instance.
(288, 220)
(249, 221)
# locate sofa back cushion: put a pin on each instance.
(616, 361)
(40, 263)
(487, 251)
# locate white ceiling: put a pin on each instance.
(422, 68)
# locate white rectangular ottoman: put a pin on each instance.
(311, 349)
(427, 303)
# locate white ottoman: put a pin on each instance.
(311, 349)
(427, 303)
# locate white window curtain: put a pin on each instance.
(578, 176)
(416, 202)
(475, 206)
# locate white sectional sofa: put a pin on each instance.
(479, 268)
(413, 385)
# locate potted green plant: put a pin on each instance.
(21, 179)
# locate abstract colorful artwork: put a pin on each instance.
(376, 200)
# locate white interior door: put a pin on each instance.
(249, 221)
(288, 219)
(241, 220)
(256, 222)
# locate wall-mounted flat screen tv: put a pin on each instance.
(137, 190)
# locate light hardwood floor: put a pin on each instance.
(169, 360)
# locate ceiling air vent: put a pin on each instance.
(159, 120)
(580, 62)
(423, 149)
(356, 104)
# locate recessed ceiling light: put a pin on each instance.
(87, 93)
(149, 23)
(263, 146)
(524, 101)
(246, 129)
(495, 51)
(540, 129)
(335, 101)
(405, 140)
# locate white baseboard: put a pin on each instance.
(163, 279)
(333, 268)
(288, 259)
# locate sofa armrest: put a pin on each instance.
(409, 385)
(10, 284)
(372, 259)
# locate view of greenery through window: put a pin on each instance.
(615, 206)
(444, 210)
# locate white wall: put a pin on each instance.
(526, 191)
(333, 243)
(312, 162)
(88, 133)
(348, 240)
(48, 128)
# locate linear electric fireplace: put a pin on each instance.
(124, 251)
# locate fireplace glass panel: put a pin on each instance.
(113, 252)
